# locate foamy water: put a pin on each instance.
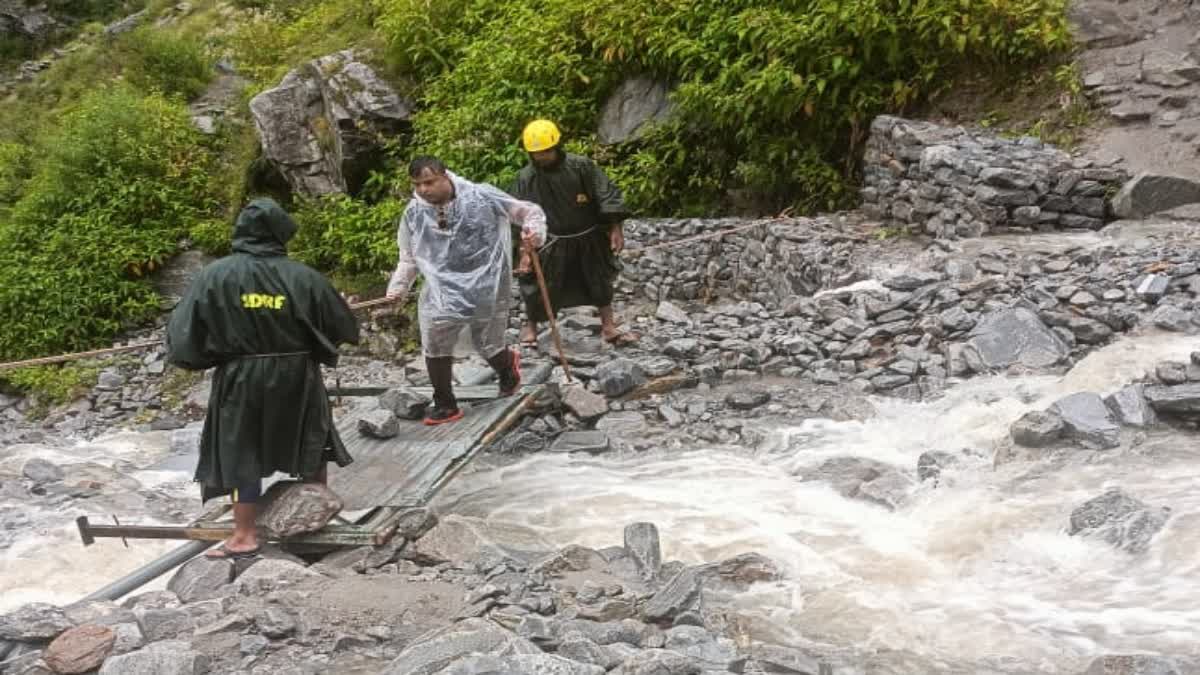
(977, 575)
(47, 562)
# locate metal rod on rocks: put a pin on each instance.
(537, 269)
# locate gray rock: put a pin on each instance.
(1130, 407)
(438, 649)
(1114, 517)
(619, 377)
(164, 624)
(1172, 318)
(523, 443)
(1135, 664)
(593, 442)
(633, 109)
(1038, 429)
(41, 471)
(404, 403)
(129, 638)
(1089, 331)
(268, 575)
(173, 280)
(379, 423)
(1086, 418)
(1152, 287)
(777, 659)
(1181, 399)
(551, 664)
(748, 568)
(253, 645)
(127, 24)
(911, 281)
(201, 578)
(312, 125)
(657, 366)
(28, 663)
(956, 318)
(275, 623)
(580, 649)
(681, 594)
(747, 399)
(292, 507)
(642, 545)
(172, 656)
(104, 613)
(658, 662)
(863, 479)
(683, 348)
(672, 314)
(586, 405)
(1171, 372)
(1014, 336)
(698, 644)
(33, 622)
(1147, 194)
(458, 538)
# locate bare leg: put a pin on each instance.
(608, 328)
(529, 333)
(245, 532)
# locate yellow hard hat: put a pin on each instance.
(540, 135)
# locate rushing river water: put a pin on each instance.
(977, 575)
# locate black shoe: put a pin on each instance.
(443, 416)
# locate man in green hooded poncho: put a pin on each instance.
(584, 212)
(265, 323)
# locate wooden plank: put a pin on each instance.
(402, 471)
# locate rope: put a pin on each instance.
(138, 346)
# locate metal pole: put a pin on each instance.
(149, 572)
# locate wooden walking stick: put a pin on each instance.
(537, 270)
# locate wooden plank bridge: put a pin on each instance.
(387, 476)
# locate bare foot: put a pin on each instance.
(528, 335)
(234, 548)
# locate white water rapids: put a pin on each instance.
(977, 575)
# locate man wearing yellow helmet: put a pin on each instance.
(584, 214)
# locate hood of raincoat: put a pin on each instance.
(263, 228)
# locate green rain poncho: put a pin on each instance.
(580, 204)
(265, 322)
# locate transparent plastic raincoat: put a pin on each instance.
(463, 250)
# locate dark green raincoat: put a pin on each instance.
(265, 322)
(580, 204)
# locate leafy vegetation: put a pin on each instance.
(115, 187)
(53, 385)
(102, 174)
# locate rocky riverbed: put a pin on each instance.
(974, 457)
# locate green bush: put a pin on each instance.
(772, 97)
(347, 235)
(114, 189)
(172, 64)
(53, 385)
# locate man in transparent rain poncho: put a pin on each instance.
(456, 234)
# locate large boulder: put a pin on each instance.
(33, 622)
(171, 656)
(81, 649)
(633, 109)
(1120, 520)
(1147, 194)
(435, 651)
(1013, 337)
(863, 479)
(1088, 420)
(20, 21)
(290, 508)
(320, 127)
(201, 578)
(458, 538)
